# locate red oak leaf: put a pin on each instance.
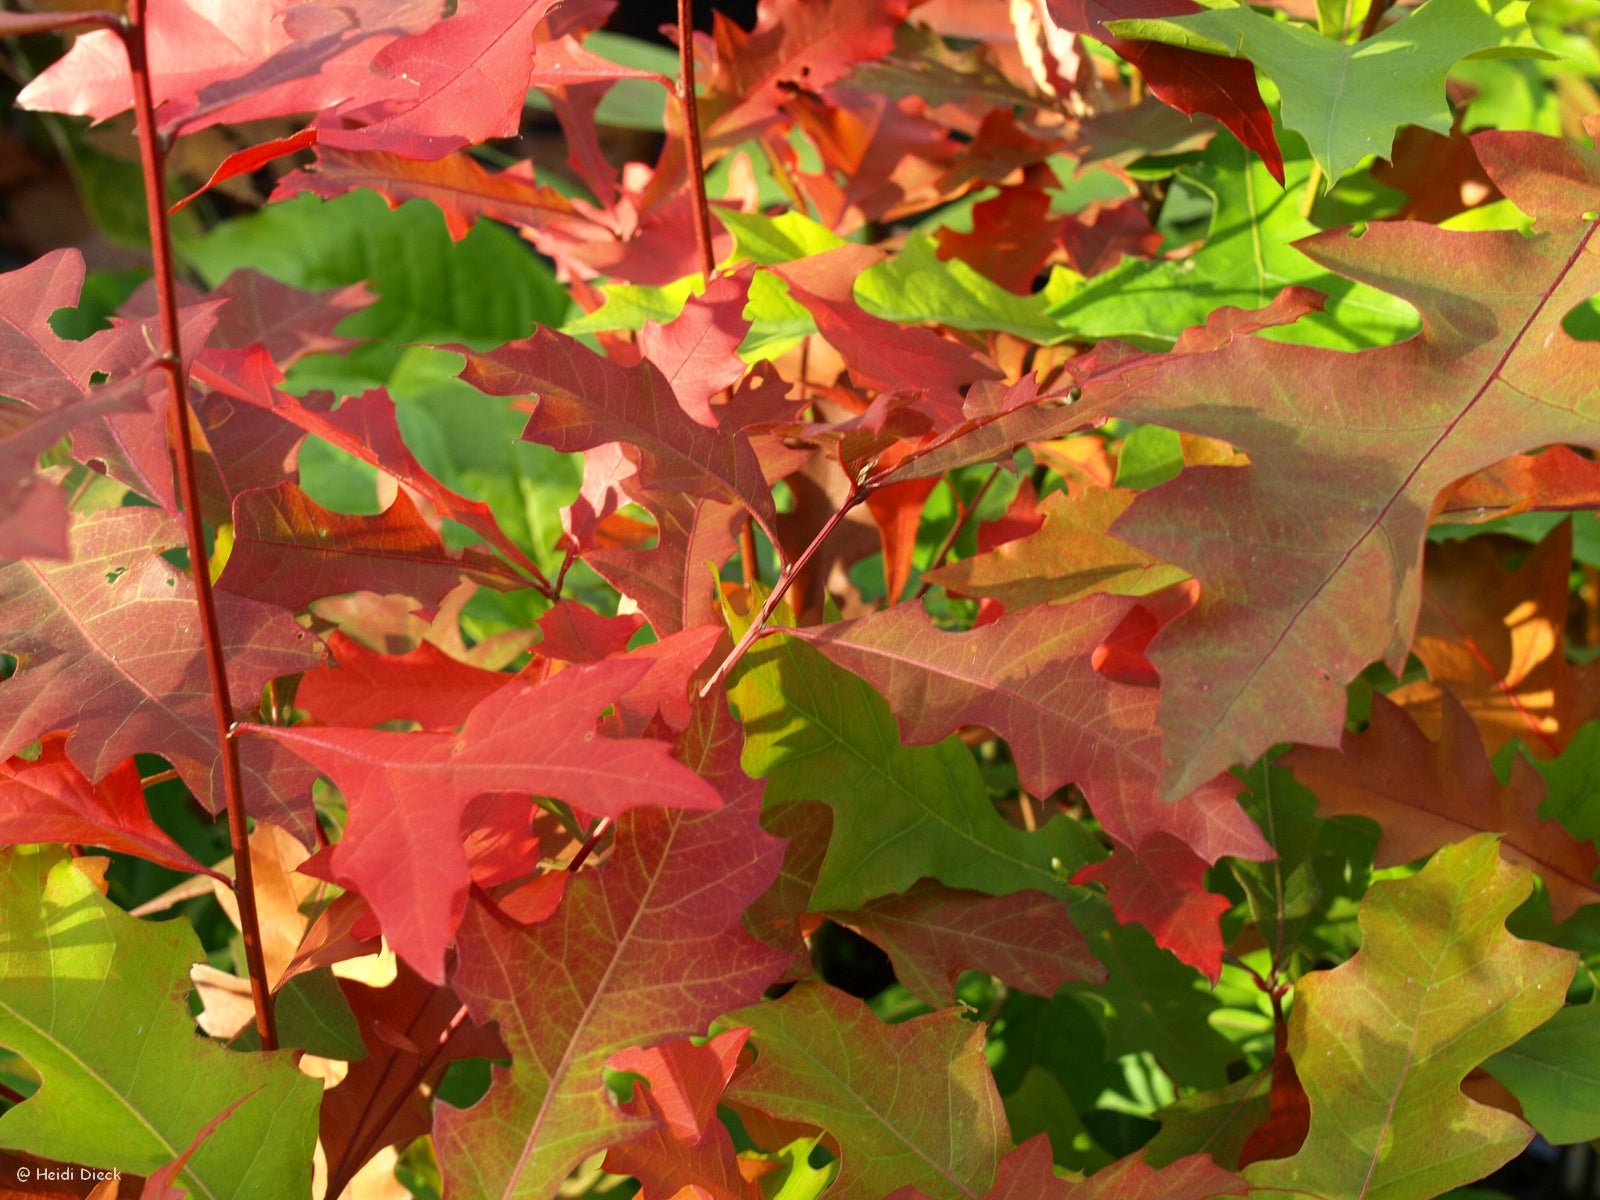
(825, 1060)
(686, 1080)
(795, 45)
(1495, 640)
(1027, 1174)
(1559, 478)
(363, 688)
(689, 1147)
(881, 354)
(1162, 887)
(285, 321)
(407, 791)
(1012, 235)
(288, 550)
(108, 650)
(214, 61)
(47, 799)
(366, 427)
(464, 80)
(50, 378)
(647, 948)
(698, 350)
(1340, 472)
(1030, 677)
(247, 162)
(575, 634)
(672, 584)
(583, 401)
(663, 694)
(897, 511)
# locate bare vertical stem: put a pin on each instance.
(691, 137)
(151, 161)
(748, 562)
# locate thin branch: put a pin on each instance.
(748, 563)
(962, 520)
(691, 137)
(601, 828)
(785, 579)
(151, 161)
(1374, 17)
(22, 24)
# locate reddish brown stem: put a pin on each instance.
(785, 578)
(151, 162)
(749, 563)
(11, 1095)
(702, 216)
(601, 827)
(1374, 17)
(22, 24)
(691, 137)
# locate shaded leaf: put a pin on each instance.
(932, 934)
(1554, 1072)
(109, 652)
(813, 731)
(1425, 795)
(288, 550)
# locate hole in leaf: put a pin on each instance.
(1582, 321)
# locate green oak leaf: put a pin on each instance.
(1349, 101)
(778, 239)
(1150, 1002)
(484, 290)
(1382, 1043)
(814, 731)
(1554, 1072)
(1247, 259)
(914, 287)
(93, 999)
